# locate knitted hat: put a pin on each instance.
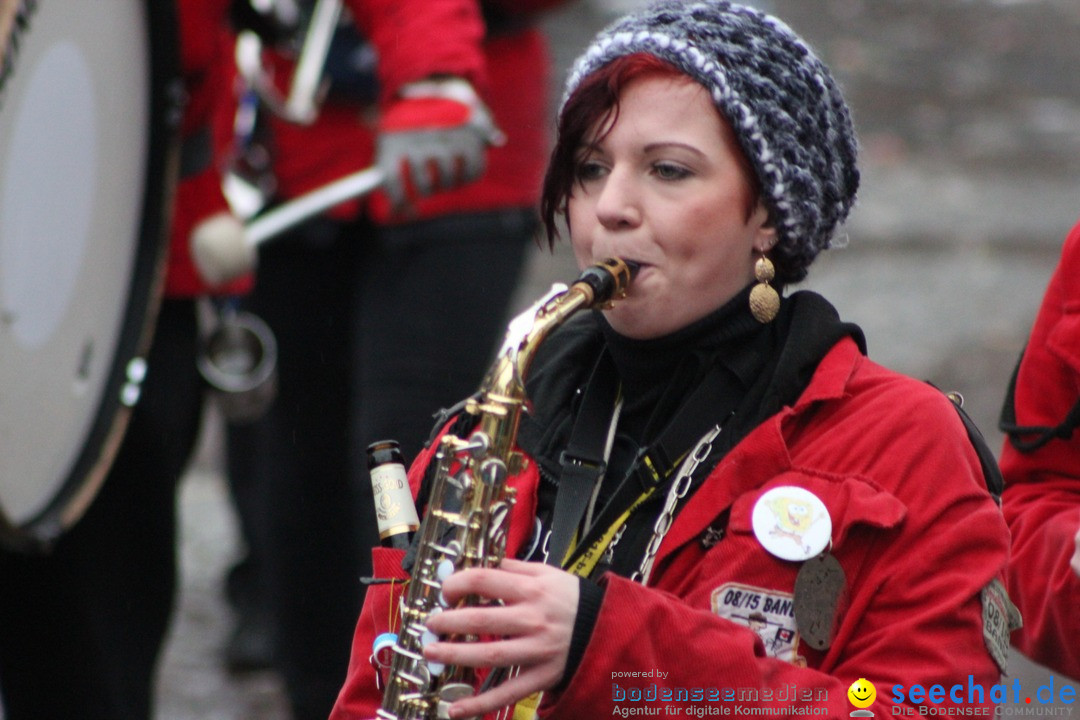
(783, 104)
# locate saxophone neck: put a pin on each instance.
(502, 394)
(599, 285)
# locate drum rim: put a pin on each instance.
(91, 467)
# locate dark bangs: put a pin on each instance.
(594, 101)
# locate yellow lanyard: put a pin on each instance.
(584, 565)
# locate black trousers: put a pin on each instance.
(377, 330)
(81, 628)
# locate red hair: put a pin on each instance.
(595, 103)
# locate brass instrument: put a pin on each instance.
(466, 521)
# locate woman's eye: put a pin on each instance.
(668, 171)
(589, 170)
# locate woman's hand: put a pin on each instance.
(534, 625)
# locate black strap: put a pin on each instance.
(583, 461)
(995, 483)
(698, 414)
(656, 462)
(1028, 438)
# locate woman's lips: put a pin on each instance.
(642, 270)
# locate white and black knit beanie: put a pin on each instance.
(786, 109)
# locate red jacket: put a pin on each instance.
(415, 39)
(1042, 493)
(206, 52)
(913, 528)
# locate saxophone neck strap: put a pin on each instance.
(584, 461)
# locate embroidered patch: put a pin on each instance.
(769, 613)
(1000, 617)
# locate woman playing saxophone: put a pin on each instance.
(723, 502)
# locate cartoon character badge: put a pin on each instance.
(792, 523)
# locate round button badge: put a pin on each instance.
(792, 523)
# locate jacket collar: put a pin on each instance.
(764, 453)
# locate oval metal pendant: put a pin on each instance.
(818, 589)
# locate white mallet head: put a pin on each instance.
(220, 249)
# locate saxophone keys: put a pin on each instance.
(448, 694)
(426, 638)
(444, 569)
(493, 472)
(517, 463)
(491, 409)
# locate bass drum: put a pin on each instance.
(89, 101)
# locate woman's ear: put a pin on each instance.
(764, 229)
(760, 214)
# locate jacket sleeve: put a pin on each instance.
(360, 695)
(1042, 493)
(416, 39)
(919, 539)
(206, 58)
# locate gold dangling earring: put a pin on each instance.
(764, 300)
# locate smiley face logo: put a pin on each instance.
(862, 693)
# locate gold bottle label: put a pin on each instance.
(394, 508)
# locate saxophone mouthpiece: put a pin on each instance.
(608, 279)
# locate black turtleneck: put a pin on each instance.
(656, 374)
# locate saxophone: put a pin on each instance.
(467, 517)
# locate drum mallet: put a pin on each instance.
(223, 248)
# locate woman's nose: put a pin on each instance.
(617, 206)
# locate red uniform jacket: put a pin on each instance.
(1042, 488)
(206, 58)
(415, 39)
(913, 528)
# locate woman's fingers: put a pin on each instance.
(518, 652)
(513, 581)
(509, 583)
(485, 620)
(531, 625)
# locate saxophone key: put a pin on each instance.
(449, 693)
(418, 677)
(445, 569)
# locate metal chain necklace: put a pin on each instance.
(679, 488)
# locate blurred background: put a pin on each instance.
(968, 113)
